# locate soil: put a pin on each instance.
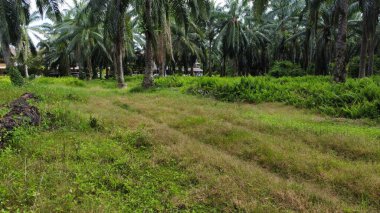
(21, 113)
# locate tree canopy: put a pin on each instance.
(237, 37)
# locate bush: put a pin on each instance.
(286, 68)
(16, 77)
(173, 81)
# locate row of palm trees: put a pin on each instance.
(241, 37)
(107, 32)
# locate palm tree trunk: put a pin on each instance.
(89, 69)
(363, 54)
(162, 69)
(341, 46)
(306, 49)
(64, 66)
(209, 58)
(95, 71)
(224, 66)
(115, 67)
(161, 54)
(6, 54)
(185, 66)
(107, 72)
(321, 62)
(174, 68)
(294, 51)
(149, 64)
(148, 76)
(119, 72)
(100, 72)
(371, 52)
(26, 69)
(119, 44)
(369, 23)
(237, 71)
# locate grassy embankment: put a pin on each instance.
(103, 149)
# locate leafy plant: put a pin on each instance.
(16, 77)
(357, 98)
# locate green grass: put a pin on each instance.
(105, 149)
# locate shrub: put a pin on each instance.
(357, 98)
(16, 77)
(171, 81)
(286, 68)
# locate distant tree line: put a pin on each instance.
(241, 37)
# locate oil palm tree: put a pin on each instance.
(213, 24)
(232, 37)
(187, 47)
(371, 11)
(9, 28)
(260, 48)
(155, 18)
(325, 30)
(28, 30)
(84, 37)
(149, 37)
(113, 13)
(12, 12)
(340, 72)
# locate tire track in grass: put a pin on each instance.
(246, 177)
(225, 180)
(321, 142)
(235, 156)
(323, 160)
(351, 148)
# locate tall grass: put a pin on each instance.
(357, 98)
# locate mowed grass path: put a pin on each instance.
(161, 149)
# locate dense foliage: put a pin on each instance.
(227, 38)
(286, 68)
(354, 99)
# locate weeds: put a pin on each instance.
(358, 98)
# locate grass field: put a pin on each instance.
(101, 149)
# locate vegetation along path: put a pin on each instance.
(103, 149)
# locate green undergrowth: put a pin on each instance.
(76, 161)
(357, 98)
